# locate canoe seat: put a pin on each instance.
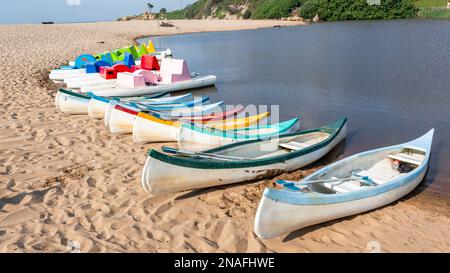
(343, 187)
(402, 157)
(294, 145)
(381, 172)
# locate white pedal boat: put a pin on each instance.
(117, 91)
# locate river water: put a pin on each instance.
(390, 78)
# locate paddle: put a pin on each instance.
(200, 154)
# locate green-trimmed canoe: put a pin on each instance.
(197, 138)
(71, 102)
(240, 161)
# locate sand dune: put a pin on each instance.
(67, 184)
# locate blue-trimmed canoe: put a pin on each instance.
(196, 138)
(98, 105)
(171, 106)
(241, 161)
(120, 117)
(356, 184)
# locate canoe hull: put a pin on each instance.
(277, 218)
(108, 112)
(161, 178)
(121, 122)
(58, 94)
(149, 129)
(145, 130)
(193, 140)
(281, 211)
(71, 104)
(97, 108)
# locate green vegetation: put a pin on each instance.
(437, 13)
(174, 15)
(275, 9)
(433, 9)
(337, 10)
(430, 3)
(328, 10)
(245, 9)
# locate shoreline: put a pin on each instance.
(66, 179)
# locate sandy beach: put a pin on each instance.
(67, 184)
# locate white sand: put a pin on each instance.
(65, 180)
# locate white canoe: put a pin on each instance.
(98, 105)
(71, 102)
(196, 110)
(242, 161)
(117, 91)
(149, 128)
(121, 117)
(325, 196)
(109, 109)
(195, 138)
(172, 114)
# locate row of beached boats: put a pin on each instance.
(219, 145)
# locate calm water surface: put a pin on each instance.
(390, 78)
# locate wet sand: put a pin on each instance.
(65, 181)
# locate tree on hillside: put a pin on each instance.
(150, 7)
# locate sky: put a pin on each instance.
(64, 11)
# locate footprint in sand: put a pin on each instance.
(91, 182)
(20, 216)
(163, 208)
(64, 141)
(160, 236)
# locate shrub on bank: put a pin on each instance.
(337, 10)
(438, 13)
(275, 9)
